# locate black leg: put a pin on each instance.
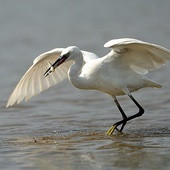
(123, 114)
(140, 113)
(125, 118)
(141, 110)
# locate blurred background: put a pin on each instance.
(29, 28)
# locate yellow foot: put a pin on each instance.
(112, 129)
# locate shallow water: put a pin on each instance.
(64, 128)
(88, 149)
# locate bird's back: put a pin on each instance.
(112, 77)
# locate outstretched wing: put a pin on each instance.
(138, 55)
(33, 82)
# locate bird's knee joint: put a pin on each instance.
(141, 112)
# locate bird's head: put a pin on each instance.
(68, 54)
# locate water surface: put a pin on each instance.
(64, 128)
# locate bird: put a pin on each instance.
(120, 72)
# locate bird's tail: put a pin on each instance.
(153, 84)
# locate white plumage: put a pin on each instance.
(120, 72)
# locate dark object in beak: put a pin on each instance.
(58, 62)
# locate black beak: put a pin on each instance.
(58, 62)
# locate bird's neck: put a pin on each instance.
(75, 71)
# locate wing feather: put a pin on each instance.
(33, 82)
(138, 55)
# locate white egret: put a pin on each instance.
(120, 72)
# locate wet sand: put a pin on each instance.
(146, 148)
